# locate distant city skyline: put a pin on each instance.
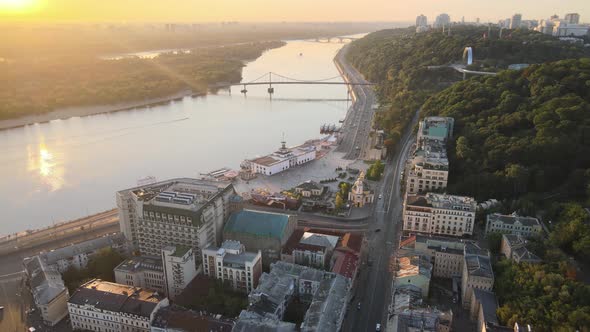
(288, 10)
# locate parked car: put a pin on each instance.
(358, 306)
(378, 327)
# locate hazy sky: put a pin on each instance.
(282, 10)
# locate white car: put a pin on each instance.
(380, 196)
(378, 327)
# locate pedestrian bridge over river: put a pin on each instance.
(271, 79)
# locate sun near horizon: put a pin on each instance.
(18, 6)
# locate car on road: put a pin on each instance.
(380, 196)
(378, 230)
(358, 306)
(358, 147)
(378, 327)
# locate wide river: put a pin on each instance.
(66, 169)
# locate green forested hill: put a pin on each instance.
(520, 132)
(398, 60)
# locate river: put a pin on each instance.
(65, 169)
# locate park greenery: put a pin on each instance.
(342, 195)
(220, 299)
(36, 86)
(543, 295)
(375, 171)
(399, 59)
(522, 137)
(100, 266)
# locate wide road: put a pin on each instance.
(358, 121)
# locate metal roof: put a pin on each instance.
(258, 223)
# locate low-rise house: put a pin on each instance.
(310, 189)
(105, 306)
(514, 247)
(259, 230)
(513, 224)
(142, 271)
(47, 287)
(174, 318)
(413, 270)
(477, 273)
(361, 192)
(231, 262)
(439, 214)
(78, 255)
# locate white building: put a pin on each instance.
(109, 307)
(439, 214)
(143, 271)
(421, 21)
(429, 167)
(78, 255)
(282, 159)
(49, 292)
(565, 29)
(232, 263)
(513, 224)
(572, 18)
(178, 212)
(179, 268)
(361, 193)
(442, 20)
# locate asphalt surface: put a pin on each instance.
(372, 288)
(358, 121)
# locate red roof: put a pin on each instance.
(345, 264)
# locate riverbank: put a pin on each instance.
(72, 112)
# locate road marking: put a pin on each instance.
(11, 274)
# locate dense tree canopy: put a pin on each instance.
(520, 132)
(542, 296)
(399, 61)
(38, 86)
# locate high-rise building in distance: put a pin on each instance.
(442, 20)
(421, 21)
(515, 21)
(572, 18)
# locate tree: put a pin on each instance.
(339, 202)
(494, 242)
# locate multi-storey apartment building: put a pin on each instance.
(513, 224)
(142, 271)
(179, 268)
(429, 168)
(477, 273)
(435, 128)
(78, 255)
(439, 214)
(232, 263)
(47, 287)
(179, 212)
(109, 307)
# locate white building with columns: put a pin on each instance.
(439, 214)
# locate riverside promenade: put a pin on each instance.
(33, 238)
